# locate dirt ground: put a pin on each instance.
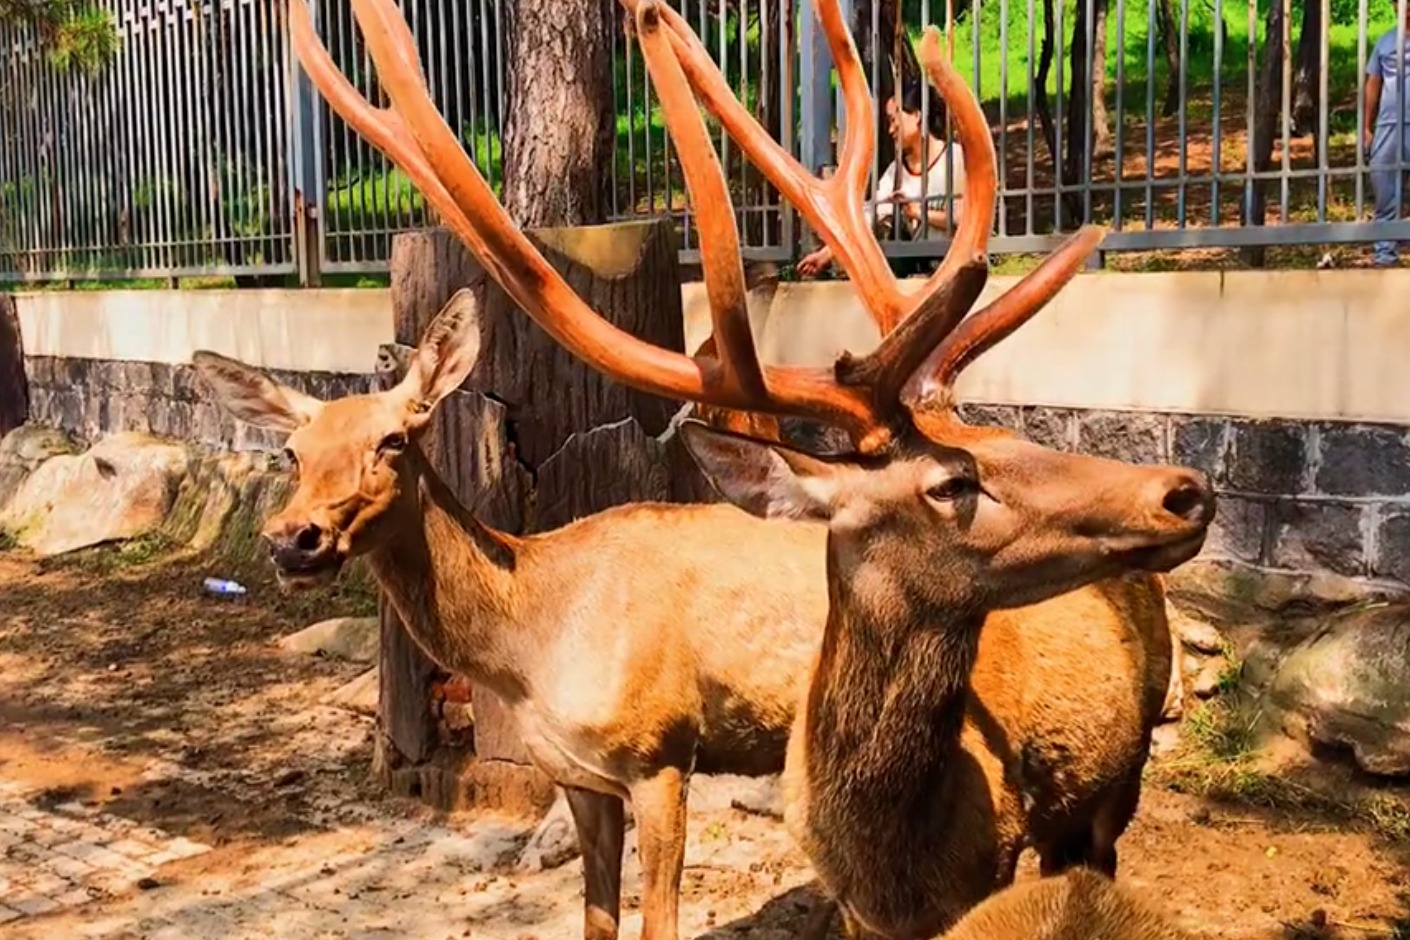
(124, 691)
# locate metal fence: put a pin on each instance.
(201, 150)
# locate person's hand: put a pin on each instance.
(1368, 135)
(813, 263)
(912, 210)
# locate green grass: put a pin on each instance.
(1219, 759)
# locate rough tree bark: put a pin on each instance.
(1307, 71)
(1265, 129)
(561, 117)
(1078, 106)
(1040, 88)
(14, 390)
(1101, 122)
(534, 440)
(1169, 24)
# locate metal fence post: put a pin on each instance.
(305, 167)
(815, 63)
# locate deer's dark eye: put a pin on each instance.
(289, 460)
(955, 487)
(393, 443)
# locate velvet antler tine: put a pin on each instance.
(996, 322)
(714, 210)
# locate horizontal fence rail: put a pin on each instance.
(199, 149)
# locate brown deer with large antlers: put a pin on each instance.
(625, 678)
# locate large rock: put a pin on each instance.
(1345, 687)
(120, 489)
(351, 638)
(24, 449)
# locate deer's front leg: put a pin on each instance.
(600, 821)
(658, 804)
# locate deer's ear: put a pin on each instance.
(768, 480)
(447, 353)
(253, 397)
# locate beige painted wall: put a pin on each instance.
(315, 331)
(1296, 344)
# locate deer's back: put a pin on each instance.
(1081, 905)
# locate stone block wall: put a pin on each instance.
(1293, 495)
(95, 397)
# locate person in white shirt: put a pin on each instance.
(918, 149)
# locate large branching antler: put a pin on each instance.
(414, 135)
(907, 364)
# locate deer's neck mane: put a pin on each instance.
(885, 710)
(452, 580)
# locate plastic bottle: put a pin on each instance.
(223, 588)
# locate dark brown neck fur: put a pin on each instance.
(451, 580)
(885, 712)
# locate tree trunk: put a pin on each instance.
(1078, 107)
(544, 440)
(561, 118)
(1170, 35)
(1268, 110)
(1040, 89)
(1101, 123)
(14, 390)
(1307, 75)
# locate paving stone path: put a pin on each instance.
(71, 854)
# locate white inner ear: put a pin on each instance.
(795, 496)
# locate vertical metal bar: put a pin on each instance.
(787, 82)
(1150, 113)
(1058, 122)
(1324, 64)
(142, 104)
(1286, 106)
(1362, 19)
(1184, 153)
(1120, 141)
(816, 89)
(123, 105)
(976, 22)
(631, 130)
(1092, 87)
(1249, 105)
(269, 156)
(616, 109)
(166, 80)
(501, 91)
(1004, 115)
(196, 248)
(1030, 181)
(1217, 156)
(488, 88)
(1402, 95)
(843, 116)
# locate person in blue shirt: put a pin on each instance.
(1387, 122)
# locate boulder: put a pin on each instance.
(120, 489)
(1345, 687)
(24, 449)
(351, 638)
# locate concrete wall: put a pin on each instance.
(1290, 388)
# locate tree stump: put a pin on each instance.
(14, 391)
(534, 440)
